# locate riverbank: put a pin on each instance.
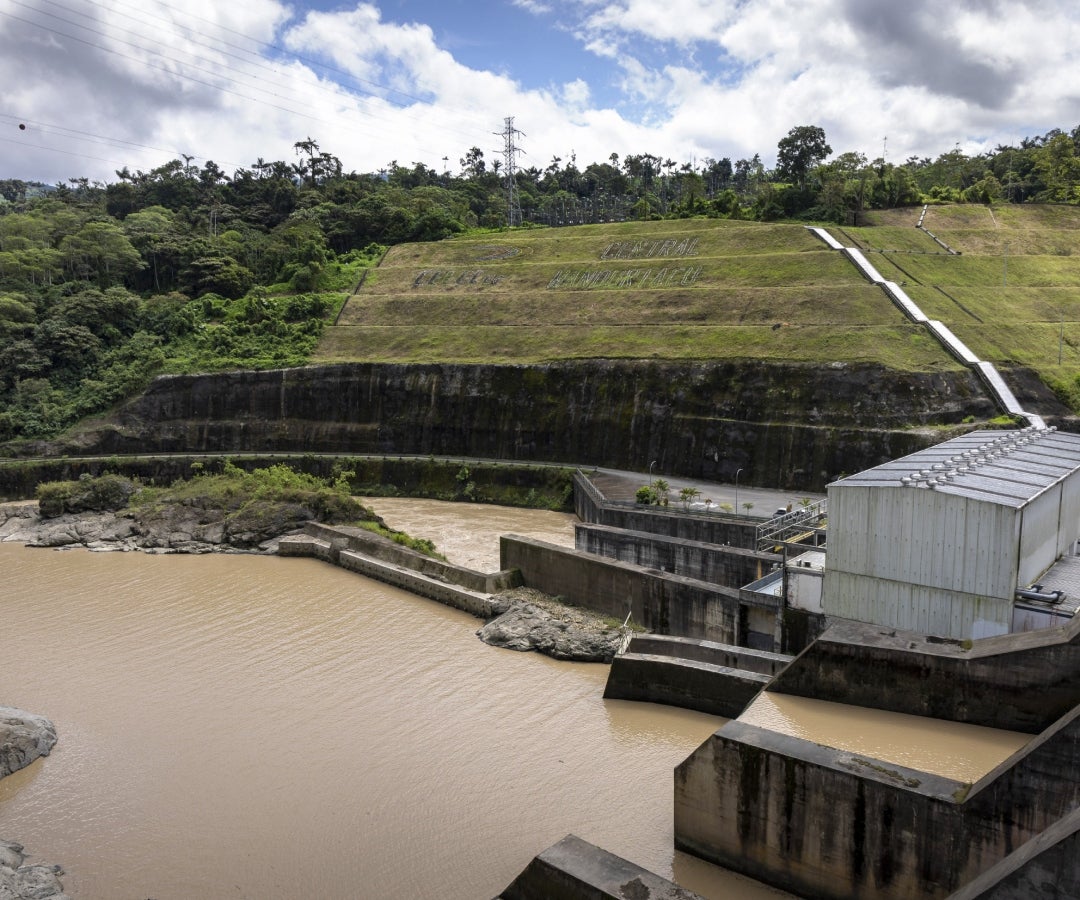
(524, 620)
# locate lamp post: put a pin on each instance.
(737, 473)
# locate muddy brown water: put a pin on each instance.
(950, 749)
(254, 727)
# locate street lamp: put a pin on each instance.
(737, 473)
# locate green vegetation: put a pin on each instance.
(231, 489)
(254, 499)
(107, 492)
(240, 491)
(184, 269)
(420, 545)
(762, 292)
(1011, 292)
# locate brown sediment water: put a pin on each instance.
(468, 534)
(950, 749)
(254, 727)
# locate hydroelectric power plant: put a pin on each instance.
(963, 559)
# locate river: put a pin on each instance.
(254, 727)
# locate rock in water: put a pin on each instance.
(23, 738)
(535, 622)
(19, 882)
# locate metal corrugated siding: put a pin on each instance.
(894, 604)
(1069, 522)
(923, 537)
(1039, 535)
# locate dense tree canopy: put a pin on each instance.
(183, 268)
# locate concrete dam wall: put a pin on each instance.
(703, 420)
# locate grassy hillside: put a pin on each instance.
(1013, 292)
(703, 289)
(680, 290)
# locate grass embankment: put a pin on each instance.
(678, 290)
(1013, 292)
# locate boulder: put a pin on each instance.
(532, 621)
(23, 738)
(19, 882)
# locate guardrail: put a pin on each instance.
(780, 529)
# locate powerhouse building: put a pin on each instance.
(971, 538)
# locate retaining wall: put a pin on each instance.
(574, 869)
(761, 661)
(832, 824)
(686, 683)
(335, 552)
(1042, 869)
(730, 566)
(662, 603)
(1019, 682)
(358, 539)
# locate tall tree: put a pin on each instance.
(803, 148)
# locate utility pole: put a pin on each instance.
(509, 152)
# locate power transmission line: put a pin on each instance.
(510, 151)
(212, 69)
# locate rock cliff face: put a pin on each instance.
(789, 426)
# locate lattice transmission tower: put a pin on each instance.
(509, 152)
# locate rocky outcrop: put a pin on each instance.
(19, 882)
(23, 738)
(533, 621)
(784, 424)
(174, 528)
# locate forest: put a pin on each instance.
(187, 268)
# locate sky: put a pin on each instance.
(87, 88)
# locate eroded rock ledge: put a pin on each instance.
(177, 528)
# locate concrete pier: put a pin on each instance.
(574, 869)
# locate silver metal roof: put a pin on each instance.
(1010, 468)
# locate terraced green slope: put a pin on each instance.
(677, 290)
(1013, 292)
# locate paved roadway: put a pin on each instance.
(621, 485)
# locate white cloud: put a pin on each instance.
(695, 78)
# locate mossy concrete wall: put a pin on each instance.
(574, 869)
(831, 824)
(785, 425)
(1045, 868)
(661, 602)
(345, 537)
(336, 552)
(686, 683)
(717, 564)
(1018, 682)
